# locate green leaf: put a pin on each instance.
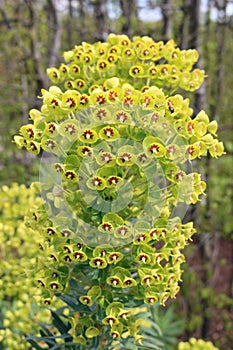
(115, 219)
(34, 344)
(46, 330)
(47, 340)
(57, 322)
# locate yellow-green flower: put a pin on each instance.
(53, 74)
(80, 85)
(98, 263)
(96, 183)
(114, 281)
(88, 136)
(74, 71)
(114, 257)
(64, 71)
(128, 54)
(86, 300)
(102, 65)
(83, 101)
(136, 71)
(109, 133)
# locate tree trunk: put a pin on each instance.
(189, 28)
(82, 14)
(39, 74)
(56, 30)
(101, 19)
(183, 29)
(70, 24)
(220, 30)
(167, 13)
(128, 9)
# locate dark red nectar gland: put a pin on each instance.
(30, 133)
(70, 102)
(70, 128)
(154, 148)
(106, 226)
(52, 128)
(96, 181)
(101, 114)
(122, 231)
(106, 157)
(86, 151)
(121, 116)
(108, 132)
(113, 180)
(125, 157)
(88, 134)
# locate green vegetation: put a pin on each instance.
(19, 248)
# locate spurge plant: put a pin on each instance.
(116, 177)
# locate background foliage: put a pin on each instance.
(35, 33)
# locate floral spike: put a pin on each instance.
(122, 137)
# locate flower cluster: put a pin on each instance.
(196, 344)
(150, 265)
(151, 110)
(122, 143)
(138, 62)
(19, 247)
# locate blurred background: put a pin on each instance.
(34, 34)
